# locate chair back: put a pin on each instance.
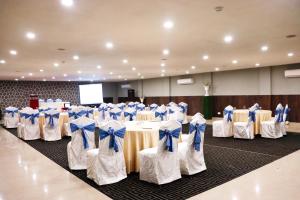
(131, 105)
(228, 113)
(41, 100)
(285, 112)
(115, 113)
(51, 118)
(31, 117)
(198, 115)
(111, 136)
(178, 116)
(252, 115)
(58, 100)
(130, 114)
(196, 134)
(110, 106)
(160, 114)
(153, 107)
(140, 107)
(184, 107)
(89, 112)
(49, 100)
(121, 106)
(11, 112)
(279, 113)
(103, 111)
(169, 133)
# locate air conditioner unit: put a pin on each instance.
(186, 81)
(126, 86)
(292, 73)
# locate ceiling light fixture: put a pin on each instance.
(111, 73)
(22, 77)
(16, 79)
(228, 39)
(13, 52)
(67, 3)
(53, 77)
(187, 71)
(234, 62)
(166, 52)
(257, 64)
(75, 57)
(217, 69)
(41, 70)
(139, 74)
(2, 61)
(125, 61)
(264, 48)
(133, 68)
(163, 71)
(205, 57)
(162, 64)
(65, 75)
(44, 79)
(168, 24)
(193, 67)
(30, 35)
(162, 75)
(142, 77)
(79, 72)
(290, 54)
(99, 66)
(109, 45)
(30, 74)
(55, 64)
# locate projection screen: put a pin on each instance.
(91, 94)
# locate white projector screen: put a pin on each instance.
(91, 94)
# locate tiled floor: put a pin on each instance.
(27, 174)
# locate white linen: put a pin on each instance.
(11, 117)
(51, 129)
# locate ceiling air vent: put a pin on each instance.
(186, 81)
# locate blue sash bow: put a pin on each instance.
(140, 108)
(229, 113)
(12, 112)
(115, 115)
(31, 116)
(278, 112)
(199, 128)
(169, 134)
(131, 115)
(153, 107)
(171, 111)
(51, 118)
(161, 115)
(112, 133)
(252, 116)
(76, 115)
(184, 108)
(88, 112)
(131, 105)
(121, 107)
(90, 127)
(102, 110)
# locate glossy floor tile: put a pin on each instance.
(27, 174)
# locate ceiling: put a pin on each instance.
(136, 29)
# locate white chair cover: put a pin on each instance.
(83, 139)
(11, 117)
(73, 114)
(130, 114)
(177, 115)
(30, 129)
(223, 128)
(49, 100)
(160, 114)
(284, 118)
(58, 100)
(103, 114)
(171, 104)
(153, 107)
(106, 165)
(184, 107)
(110, 106)
(115, 113)
(51, 129)
(41, 100)
(198, 115)
(131, 105)
(121, 106)
(89, 112)
(245, 130)
(273, 128)
(160, 165)
(191, 152)
(140, 107)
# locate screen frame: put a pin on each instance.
(94, 102)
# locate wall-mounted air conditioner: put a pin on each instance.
(126, 86)
(186, 81)
(292, 73)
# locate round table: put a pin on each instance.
(241, 115)
(145, 116)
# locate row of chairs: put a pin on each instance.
(50, 100)
(106, 164)
(274, 128)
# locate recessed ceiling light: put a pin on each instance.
(30, 74)
(75, 57)
(111, 73)
(139, 74)
(217, 69)
(13, 52)
(22, 77)
(168, 24)
(55, 64)
(125, 61)
(41, 70)
(67, 3)
(205, 57)
(234, 62)
(53, 77)
(65, 75)
(79, 72)
(30, 35)
(162, 64)
(193, 67)
(162, 75)
(228, 39)
(99, 66)
(2, 61)
(264, 48)
(125, 79)
(16, 79)
(44, 79)
(187, 71)
(69, 80)
(166, 51)
(290, 54)
(133, 68)
(257, 64)
(163, 71)
(142, 77)
(109, 45)
(119, 76)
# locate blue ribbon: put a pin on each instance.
(153, 107)
(131, 115)
(12, 112)
(121, 107)
(88, 112)
(31, 116)
(199, 128)
(43, 110)
(140, 108)
(131, 105)
(102, 111)
(76, 115)
(161, 115)
(115, 115)
(280, 115)
(229, 113)
(169, 134)
(171, 111)
(51, 118)
(184, 108)
(90, 127)
(112, 133)
(252, 116)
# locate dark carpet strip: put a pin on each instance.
(226, 159)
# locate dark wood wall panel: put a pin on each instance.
(126, 99)
(157, 100)
(195, 103)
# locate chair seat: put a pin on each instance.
(222, 129)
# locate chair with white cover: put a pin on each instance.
(58, 100)
(83, 139)
(245, 130)
(115, 113)
(160, 114)
(30, 128)
(223, 128)
(89, 112)
(131, 105)
(190, 152)
(20, 126)
(153, 107)
(51, 129)
(171, 104)
(184, 107)
(106, 165)
(198, 115)
(11, 117)
(73, 114)
(284, 119)
(272, 128)
(173, 111)
(121, 106)
(110, 106)
(178, 116)
(103, 114)
(140, 107)
(130, 114)
(50, 101)
(41, 100)
(160, 165)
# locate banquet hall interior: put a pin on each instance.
(156, 99)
